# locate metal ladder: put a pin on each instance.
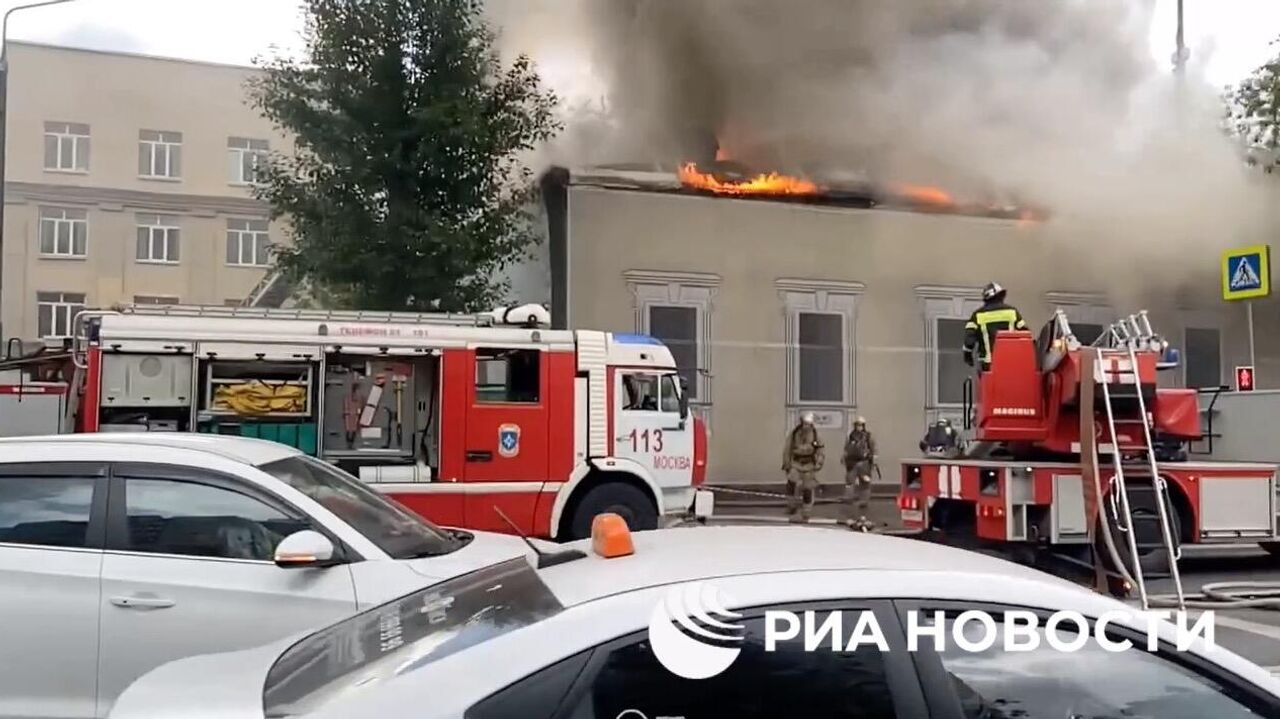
(1124, 338)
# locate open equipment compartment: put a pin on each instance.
(271, 398)
(380, 414)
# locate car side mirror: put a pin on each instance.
(307, 548)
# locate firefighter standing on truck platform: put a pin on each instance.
(980, 331)
(859, 459)
(802, 456)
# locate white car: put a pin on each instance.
(121, 552)
(692, 624)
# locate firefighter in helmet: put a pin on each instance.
(993, 316)
(802, 460)
(858, 460)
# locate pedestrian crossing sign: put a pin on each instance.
(1246, 272)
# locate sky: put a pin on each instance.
(1227, 38)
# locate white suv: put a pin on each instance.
(120, 552)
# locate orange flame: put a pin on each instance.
(763, 184)
(925, 195)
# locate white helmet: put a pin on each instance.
(807, 418)
(860, 421)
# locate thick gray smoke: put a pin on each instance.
(1055, 101)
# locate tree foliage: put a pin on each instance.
(1253, 112)
(406, 189)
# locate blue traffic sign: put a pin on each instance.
(1246, 273)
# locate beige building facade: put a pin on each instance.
(128, 180)
(775, 308)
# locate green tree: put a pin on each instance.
(406, 189)
(1253, 113)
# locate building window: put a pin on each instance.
(56, 313)
(952, 370)
(819, 330)
(675, 307)
(245, 159)
(677, 327)
(158, 239)
(64, 232)
(946, 310)
(160, 154)
(155, 300)
(1203, 360)
(248, 243)
(66, 147)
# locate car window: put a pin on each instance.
(1047, 683)
(394, 529)
(173, 517)
(45, 511)
(537, 696)
(759, 684)
(407, 634)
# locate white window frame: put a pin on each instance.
(250, 235)
(1081, 307)
(60, 306)
(821, 297)
(162, 225)
(172, 154)
(950, 303)
(655, 288)
(56, 217)
(63, 133)
(237, 150)
(1200, 319)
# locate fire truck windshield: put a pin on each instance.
(398, 532)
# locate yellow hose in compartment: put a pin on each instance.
(259, 398)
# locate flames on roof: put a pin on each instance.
(731, 179)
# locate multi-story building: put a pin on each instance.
(128, 180)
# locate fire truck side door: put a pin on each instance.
(506, 437)
(648, 428)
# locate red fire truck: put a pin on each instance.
(1067, 442)
(452, 415)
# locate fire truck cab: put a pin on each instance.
(478, 421)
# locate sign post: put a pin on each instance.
(1246, 275)
(1244, 379)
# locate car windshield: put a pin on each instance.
(407, 633)
(397, 531)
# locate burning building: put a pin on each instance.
(782, 293)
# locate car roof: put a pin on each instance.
(688, 554)
(241, 449)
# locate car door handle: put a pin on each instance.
(479, 455)
(142, 602)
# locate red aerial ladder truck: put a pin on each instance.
(1076, 453)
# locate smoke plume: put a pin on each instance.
(1056, 102)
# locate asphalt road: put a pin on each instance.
(1251, 633)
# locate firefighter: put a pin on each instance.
(801, 461)
(980, 331)
(941, 440)
(859, 459)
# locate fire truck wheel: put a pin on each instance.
(620, 498)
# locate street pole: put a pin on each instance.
(1248, 311)
(4, 135)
